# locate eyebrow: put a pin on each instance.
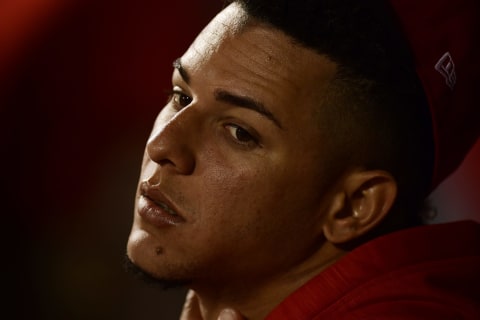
(177, 64)
(245, 102)
(232, 99)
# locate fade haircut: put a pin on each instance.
(375, 113)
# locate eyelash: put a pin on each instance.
(175, 94)
(252, 142)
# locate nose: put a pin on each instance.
(171, 143)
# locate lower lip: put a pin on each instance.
(156, 215)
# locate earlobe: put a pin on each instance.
(362, 201)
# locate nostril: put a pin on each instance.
(165, 162)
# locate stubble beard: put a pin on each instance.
(163, 283)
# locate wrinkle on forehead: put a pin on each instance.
(271, 58)
(229, 22)
(234, 21)
(256, 59)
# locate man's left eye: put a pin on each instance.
(241, 135)
(180, 99)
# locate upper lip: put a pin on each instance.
(156, 195)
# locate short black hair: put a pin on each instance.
(375, 114)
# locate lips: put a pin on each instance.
(155, 208)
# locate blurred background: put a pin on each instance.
(80, 85)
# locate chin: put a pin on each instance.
(160, 282)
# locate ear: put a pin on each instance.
(362, 200)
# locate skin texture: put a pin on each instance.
(258, 217)
(191, 310)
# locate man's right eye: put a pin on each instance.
(179, 99)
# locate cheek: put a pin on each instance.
(254, 191)
(251, 208)
(232, 197)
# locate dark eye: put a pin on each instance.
(179, 99)
(241, 135)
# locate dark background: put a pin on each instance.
(80, 85)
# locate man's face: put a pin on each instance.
(236, 156)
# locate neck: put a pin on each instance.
(256, 299)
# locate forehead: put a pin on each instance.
(255, 59)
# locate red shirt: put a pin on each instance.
(427, 272)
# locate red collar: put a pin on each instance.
(378, 258)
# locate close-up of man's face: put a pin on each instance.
(240, 159)
(232, 185)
